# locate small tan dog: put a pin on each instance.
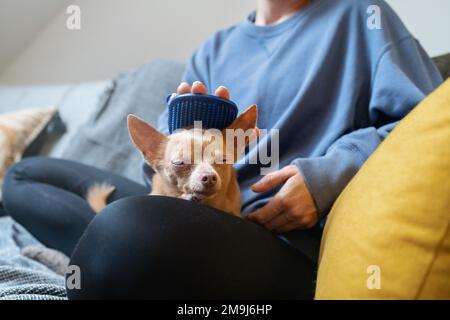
(209, 180)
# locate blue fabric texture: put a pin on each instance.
(333, 87)
(22, 278)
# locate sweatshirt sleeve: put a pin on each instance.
(402, 77)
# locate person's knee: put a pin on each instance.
(18, 170)
(139, 246)
(21, 170)
(11, 182)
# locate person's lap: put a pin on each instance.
(147, 246)
(160, 247)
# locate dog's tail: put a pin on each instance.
(97, 194)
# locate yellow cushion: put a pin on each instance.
(387, 236)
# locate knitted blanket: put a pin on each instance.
(22, 278)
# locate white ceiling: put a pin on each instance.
(21, 21)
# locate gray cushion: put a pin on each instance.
(103, 141)
(443, 64)
(76, 104)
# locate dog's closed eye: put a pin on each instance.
(181, 166)
(178, 163)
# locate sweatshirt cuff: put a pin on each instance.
(327, 176)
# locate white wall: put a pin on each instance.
(117, 35)
(20, 20)
(428, 20)
(120, 34)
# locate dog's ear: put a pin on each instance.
(246, 120)
(247, 123)
(147, 139)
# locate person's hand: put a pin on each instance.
(292, 207)
(199, 87)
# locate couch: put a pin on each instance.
(93, 115)
(94, 112)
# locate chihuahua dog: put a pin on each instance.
(209, 179)
(180, 172)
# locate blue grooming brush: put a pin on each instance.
(214, 112)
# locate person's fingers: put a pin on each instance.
(266, 213)
(273, 179)
(308, 221)
(183, 88)
(223, 92)
(288, 227)
(279, 221)
(198, 87)
(173, 95)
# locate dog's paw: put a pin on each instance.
(190, 197)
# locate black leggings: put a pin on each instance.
(144, 246)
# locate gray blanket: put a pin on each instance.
(104, 141)
(20, 277)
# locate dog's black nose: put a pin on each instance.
(208, 179)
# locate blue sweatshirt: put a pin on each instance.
(333, 87)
